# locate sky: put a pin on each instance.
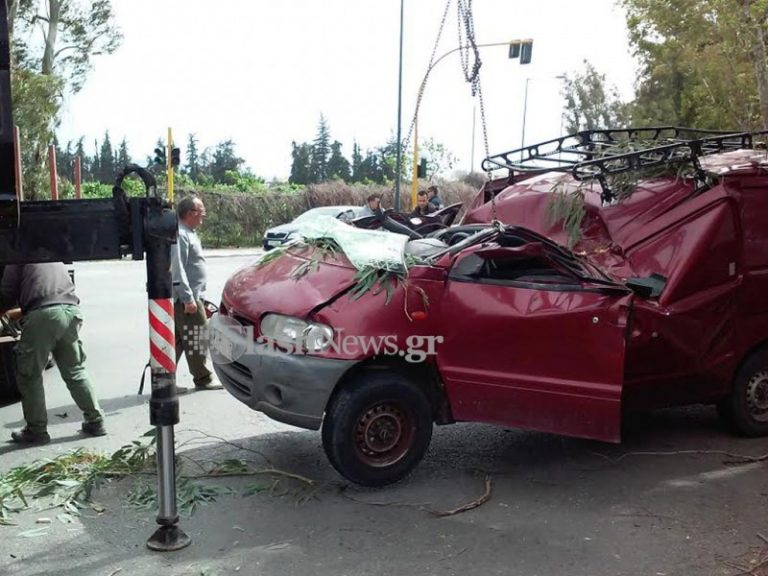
(261, 73)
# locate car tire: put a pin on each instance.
(377, 428)
(746, 409)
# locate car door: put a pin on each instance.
(531, 346)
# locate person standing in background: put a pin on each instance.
(189, 282)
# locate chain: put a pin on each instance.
(467, 47)
(467, 44)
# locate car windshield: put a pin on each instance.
(322, 211)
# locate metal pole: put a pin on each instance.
(52, 169)
(160, 227)
(525, 111)
(398, 163)
(474, 116)
(415, 179)
(17, 163)
(169, 167)
(78, 177)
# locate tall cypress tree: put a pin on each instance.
(193, 158)
(106, 161)
(300, 170)
(123, 158)
(338, 166)
(95, 162)
(357, 163)
(321, 152)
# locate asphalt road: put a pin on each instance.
(671, 500)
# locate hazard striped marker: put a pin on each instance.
(162, 339)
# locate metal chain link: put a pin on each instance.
(466, 18)
(467, 48)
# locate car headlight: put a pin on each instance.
(297, 333)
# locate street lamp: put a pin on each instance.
(399, 112)
(525, 107)
(517, 49)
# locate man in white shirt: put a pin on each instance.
(189, 282)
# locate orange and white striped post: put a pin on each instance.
(162, 337)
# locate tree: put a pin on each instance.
(85, 165)
(590, 104)
(123, 158)
(702, 62)
(72, 33)
(106, 174)
(338, 166)
(193, 158)
(35, 105)
(440, 160)
(300, 159)
(95, 163)
(321, 151)
(223, 160)
(357, 163)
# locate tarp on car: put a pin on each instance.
(363, 248)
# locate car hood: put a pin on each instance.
(274, 286)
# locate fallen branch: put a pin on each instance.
(264, 471)
(743, 458)
(426, 507)
(763, 538)
(228, 442)
(470, 505)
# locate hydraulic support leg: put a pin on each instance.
(159, 232)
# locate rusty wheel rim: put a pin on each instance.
(384, 434)
(757, 396)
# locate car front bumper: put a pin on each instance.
(290, 388)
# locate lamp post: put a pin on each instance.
(510, 44)
(399, 155)
(525, 107)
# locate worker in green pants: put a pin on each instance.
(50, 325)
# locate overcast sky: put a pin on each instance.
(261, 73)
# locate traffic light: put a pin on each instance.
(175, 157)
(526, 49)
(522, 49)
(160, 156)
(422, 170)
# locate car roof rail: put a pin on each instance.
(600, 154)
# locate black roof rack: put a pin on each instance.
(597, 154)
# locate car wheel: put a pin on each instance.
(377, 429)
(746, 409)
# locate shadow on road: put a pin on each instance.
(558, 506)
(71, 413)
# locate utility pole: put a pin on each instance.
(399, 161)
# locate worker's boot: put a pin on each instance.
(94, 428)
(27, 436)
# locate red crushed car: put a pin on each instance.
(654, 296)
